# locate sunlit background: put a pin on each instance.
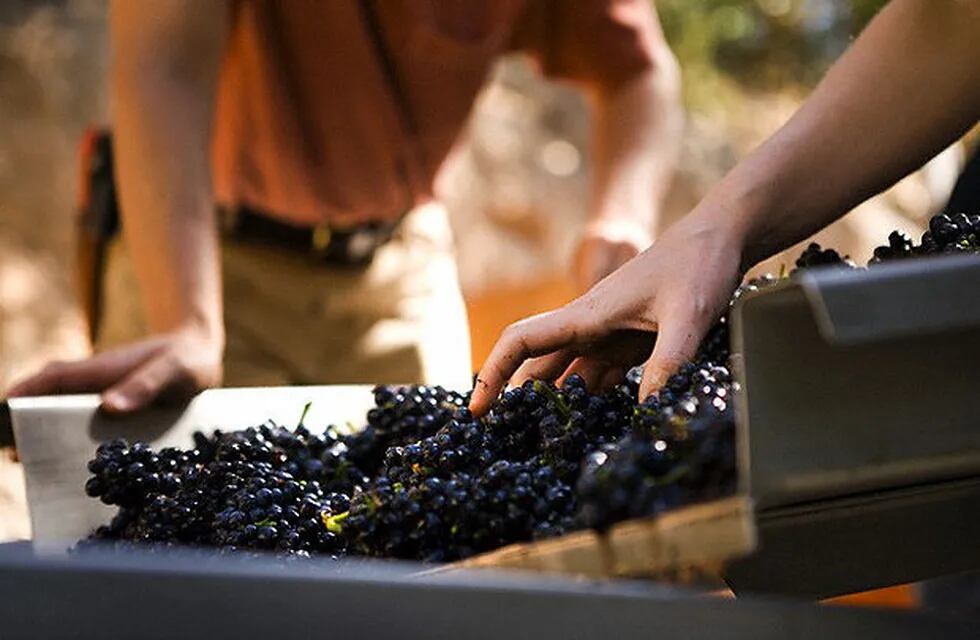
(518, 186)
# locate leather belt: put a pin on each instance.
(331, 244)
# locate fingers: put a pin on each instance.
(538, 335)
(135, 375)
(677, 342)
(546, 367)
(144, 385)
(83, 376)
(599, 374)
(613, 376)
(591, 370)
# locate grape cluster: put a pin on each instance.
(261, 488)
(424, 479)
(816, 256)
(401, 415)
(475, 485)
(899, 246)
(957, 233)
(437, 518)
(680, 448)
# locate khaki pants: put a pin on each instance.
(290, 320)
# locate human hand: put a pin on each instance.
(131, 376)
(657, 308)
(605, 246)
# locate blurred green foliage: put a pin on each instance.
(760, 44)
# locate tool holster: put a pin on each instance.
(96, 223)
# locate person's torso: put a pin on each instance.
(308, 125)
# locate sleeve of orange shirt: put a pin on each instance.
(602, 43)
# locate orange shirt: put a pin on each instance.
(307, 126)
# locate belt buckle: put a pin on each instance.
(320, 240)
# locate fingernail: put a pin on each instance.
(115, 402)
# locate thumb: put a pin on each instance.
(677, 342)
(144, 385)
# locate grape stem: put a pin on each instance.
(335, 523)
(546, 389)
(302, 417)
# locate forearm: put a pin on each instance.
(637, 134)
(167, 213)
(908, 87)
(162, 108)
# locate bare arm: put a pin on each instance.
(909, 86)
(165, 60)
(164, 72)
(637, 129)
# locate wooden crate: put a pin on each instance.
(690, 544)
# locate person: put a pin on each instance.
(320, 128)
(908, 87)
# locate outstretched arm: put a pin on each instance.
(906, 89)
(165, 60)
(909, 86)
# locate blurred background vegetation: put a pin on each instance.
(765, 45)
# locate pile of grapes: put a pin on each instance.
(426, 480)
